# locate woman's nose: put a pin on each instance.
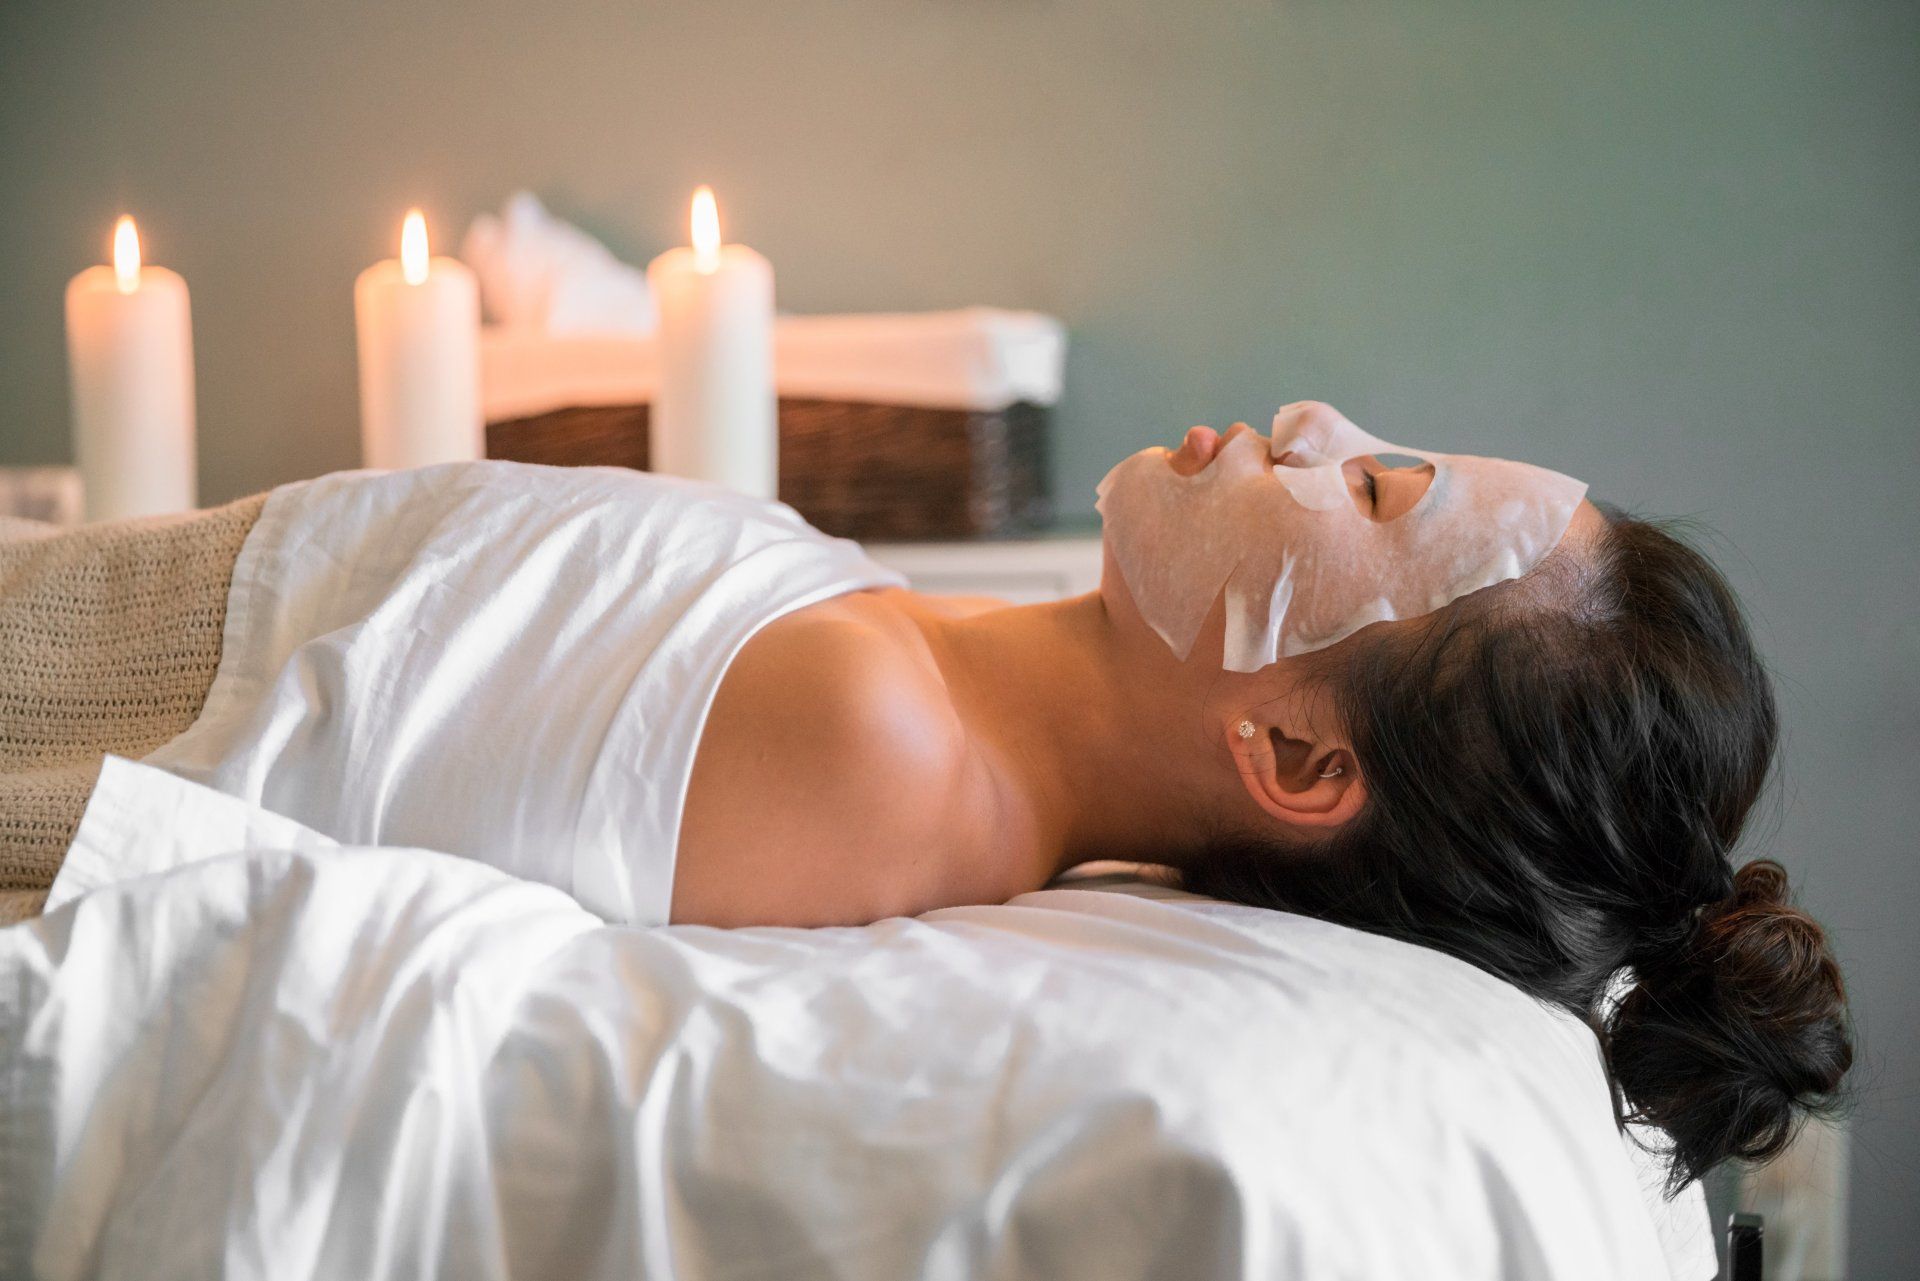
(1201, 445)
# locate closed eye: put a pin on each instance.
(1382, 493)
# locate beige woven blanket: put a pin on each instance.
(109, 638)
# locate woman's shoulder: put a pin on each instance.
(829, 765)
(854, 676)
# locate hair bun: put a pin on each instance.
(1761, 883)
(1738, 1031)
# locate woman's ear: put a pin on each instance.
(1302, 781)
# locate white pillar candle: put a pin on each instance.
(130, 361)
(417, 321)
(714, 416)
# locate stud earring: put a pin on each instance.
(1333, 771)
(1245, 730)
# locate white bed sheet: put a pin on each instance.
(334, 1062)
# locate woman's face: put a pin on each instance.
(1316, 531)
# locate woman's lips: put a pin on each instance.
(1202, 443)
(1197, 449)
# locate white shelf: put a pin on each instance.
(1023, 572)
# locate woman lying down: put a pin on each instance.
(1449, 701)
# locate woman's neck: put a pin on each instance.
(1065, 736)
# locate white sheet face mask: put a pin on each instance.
(1275, 527)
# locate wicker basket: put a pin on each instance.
(891, 472)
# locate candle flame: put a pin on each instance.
(126, 254)
(706, 231)
(413, 247)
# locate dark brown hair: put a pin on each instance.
(1558, 770)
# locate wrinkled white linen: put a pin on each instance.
(389, 1063)
(508, 662)
(140, 820)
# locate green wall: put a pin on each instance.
(1671, 248)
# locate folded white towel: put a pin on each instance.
(542, 274)
(978, 358)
